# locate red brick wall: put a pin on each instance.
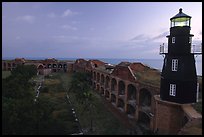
(137, 66)
(168, 117)
(123, 73)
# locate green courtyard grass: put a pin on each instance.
(104, 123)
(6, 74)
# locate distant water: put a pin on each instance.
(154, 63)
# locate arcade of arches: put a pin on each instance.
(131, 98)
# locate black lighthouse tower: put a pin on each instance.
(178, 77)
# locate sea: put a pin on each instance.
(153, 63)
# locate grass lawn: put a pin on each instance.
(5, 74)
(104, 122)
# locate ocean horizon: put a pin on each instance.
(153, 63)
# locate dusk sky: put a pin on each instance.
(92, 29)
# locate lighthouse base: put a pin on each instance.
(168, 116)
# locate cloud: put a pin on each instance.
(26, 18)
(163, 35)
(68, 27)
(139, 37)
(68, 12)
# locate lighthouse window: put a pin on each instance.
(174, 66)
(172, 90)
(173, 39)
(190, 39)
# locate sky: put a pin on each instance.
(92, 29)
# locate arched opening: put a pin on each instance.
(102, 91)
(145, 98)
(130, 111)
(144, 120)
(97, 87)
(113, 84)
(131, 92)
(14, 64)
(9, 64)
(94, 75)
(49, 66)
(121, 104)
(107, 82)
(59, 65)
(54, 65)
(98, 77)
(102, 79)
(94, 85)
(40, 67)
(121, 88)
(65, 66)
(107, 94)
(113, 98)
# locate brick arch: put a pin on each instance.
(102, 79)
(131, 110)
(145, 97)
(113, 98)
(107, 82)
(40, 66)
(49, 65)
(121, 104)
(98, 77)
(113, 84)
(13, 64)
(132, 92)
(102, 91)
(97, 87)
(94, 85)
(54, 65)
(94, 75)
(121, 87)
(107, 94)
(59, 65)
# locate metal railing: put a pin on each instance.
(196, 49)
(163, 49)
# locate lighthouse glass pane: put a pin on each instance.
(183, 21)
(174, 66)
(172, 90)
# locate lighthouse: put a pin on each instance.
(178, 87)
(178, 77)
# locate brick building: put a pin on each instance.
(133, 89)
(44, 67)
